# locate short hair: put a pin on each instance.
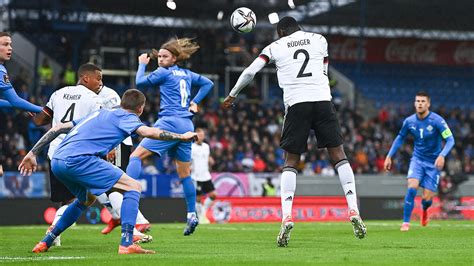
(424, 94)
(288, 24)
(88, 67)
(132, 99)
(4, 33)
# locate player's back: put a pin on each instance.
(300, 62)
(68, 104)
(98, 133)
(175, 90)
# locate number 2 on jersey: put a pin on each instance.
(301, 73)
(69, 115)
(184, 93)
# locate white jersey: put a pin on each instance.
(67, 104)
(301, 63)
(200, 162)
(109, 99)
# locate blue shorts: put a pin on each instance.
(87, 173)
(426, 172)
(179, 150)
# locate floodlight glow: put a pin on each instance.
(220, 15)
(273, 18)
(171, 4)
(291, 4)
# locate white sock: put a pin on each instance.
(141, 219)
(190, 215)
(199, 208)
(207, 204)
(105, 201)
(288, 187)
(116, 199)
(59, 213)
(346, 177)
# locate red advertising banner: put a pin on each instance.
(403, 51)
(267, 209)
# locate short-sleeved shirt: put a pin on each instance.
(98, 133)
(200, 162)
(300, 60)
(428, 134)
(68, 104)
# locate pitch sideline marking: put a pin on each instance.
(40, 258)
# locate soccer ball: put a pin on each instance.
(243, 20)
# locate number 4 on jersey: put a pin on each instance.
(69, 115)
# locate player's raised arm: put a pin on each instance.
(160, 134)
(28, 164)
(245, 78)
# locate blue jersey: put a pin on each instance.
(4, 79)
(175, 88)
(98, 133)
(428, 134)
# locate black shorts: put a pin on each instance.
(122, 159)
(205, 187)
(59, 192)
(301, 118)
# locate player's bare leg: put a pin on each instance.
(346, 177)
(288, 187)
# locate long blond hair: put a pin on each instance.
(181, 48)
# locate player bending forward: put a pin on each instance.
(78, 163)
(301, 59)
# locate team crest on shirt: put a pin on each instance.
(429, 128)
(6, 79)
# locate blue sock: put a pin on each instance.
(134, 167)
(409, 204)
(128, 217)
(189, 193)
(426, 204)
(70, 216)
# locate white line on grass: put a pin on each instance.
(39, 258)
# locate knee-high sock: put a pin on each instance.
(207, 203)
(105, 201)
(288, 187)
(70, 216)
(134, 167)
(346, 177)
(426, 204)
(189, 194)
(129, 215)
(116, 199)
(59, 213)
(409, 204)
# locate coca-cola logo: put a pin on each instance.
(464, 53)
(347, 49)
(417, 52)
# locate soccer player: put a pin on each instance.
(301, 59)
(176, 112)
(75, 102)
(112, 200)
(12, 99)
(78, 163)
(428, 129)
(201, 159)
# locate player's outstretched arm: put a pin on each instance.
(18, 102)
(156, 133)
(28, 164)
(245, 78)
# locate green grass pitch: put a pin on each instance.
(441, 243)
